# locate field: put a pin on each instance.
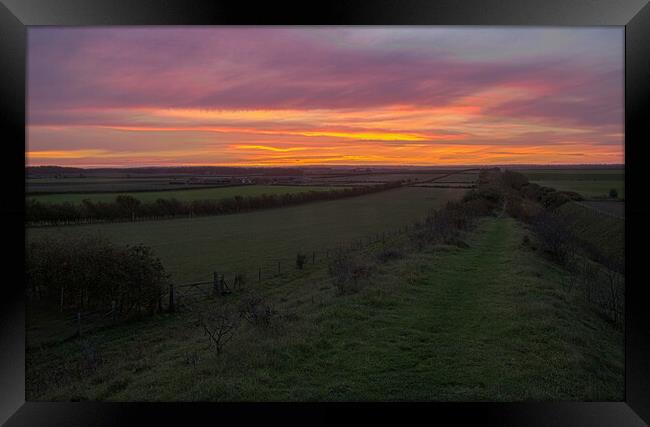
(184, 194)
(105, 184)
(488, 316)
(191, 249)
(445, 324)
(590, 183)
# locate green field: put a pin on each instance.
(191, 194)
(486, 322)
(587, 182)
(191, 249)
(107, 183)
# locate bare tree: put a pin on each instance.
(219, 328)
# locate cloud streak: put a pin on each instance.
(324, 95)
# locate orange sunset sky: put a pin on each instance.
(324, 95)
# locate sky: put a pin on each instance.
(293, 96)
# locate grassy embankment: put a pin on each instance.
(486, 322)
(602, 231)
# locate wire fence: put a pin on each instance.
(221, 282)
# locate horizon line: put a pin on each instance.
(322, 166)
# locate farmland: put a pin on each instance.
(483, 315)
(191, 249)
(104, 183)
(184, 194)
(590, 183)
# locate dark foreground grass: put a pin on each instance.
(486, 322)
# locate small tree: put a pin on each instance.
(613, 194)
(219, 328)
(128, 205)
(348, 272)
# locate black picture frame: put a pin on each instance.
(16, 15)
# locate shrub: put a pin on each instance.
(613, 194)
(554, 199)
(389, 254)
(91, 272)
(523, 209)
(573, 195)
(489, 194)
(531, 191)
(556, 238)
(514, 180)
(256, 311)
(348, 272)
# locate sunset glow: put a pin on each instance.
(324, 95)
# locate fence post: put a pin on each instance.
(113, 310)
(61, 307)
(215, 282)
(279, 270)
(171, 298)
(259, 275)
(313, 257)
(78, 324)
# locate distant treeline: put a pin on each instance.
(129, 208)
(186, 170)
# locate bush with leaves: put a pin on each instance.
(89, 272)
